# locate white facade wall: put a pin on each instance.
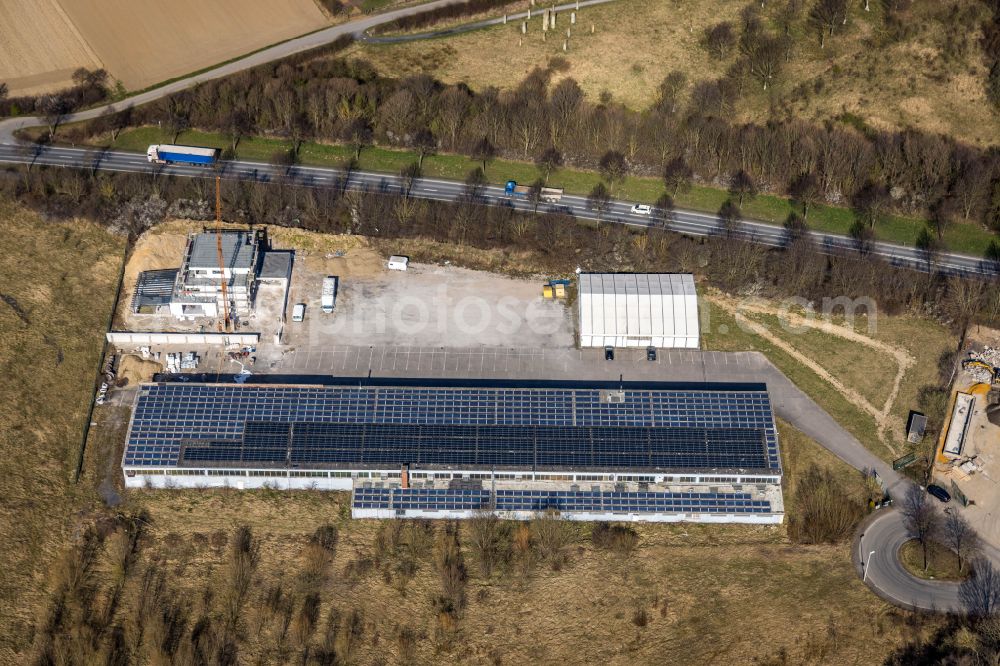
(649, 517)
(126, 338)
(638, 310)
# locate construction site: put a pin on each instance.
(967, 460)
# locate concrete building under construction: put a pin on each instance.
(197, 288)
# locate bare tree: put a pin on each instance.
(765, 55)
(663, 210)
(669, 93)
(920, 517)
(960, 537)
(677, 176)
(871, 203)
(483, 151)
(489, 537)
(980, 592)
(729, 216)
(805, 189)
(613, 167)
(54, 109)
(720, 39)
(425, 143)
(599, 199)
(928, 245)
(409, 175)
(828, 15)
(742, 186)
(547, 162)
(244, 556)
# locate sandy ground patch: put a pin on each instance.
(143, 42)
(40, 47)
(137, 370)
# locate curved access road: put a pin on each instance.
(876, 555)
(291, 47)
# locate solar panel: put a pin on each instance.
(566, 501)
(483, 428)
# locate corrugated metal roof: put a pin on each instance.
(638, 309)
(237, 250)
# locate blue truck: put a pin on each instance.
(167, 154)
(546, 194)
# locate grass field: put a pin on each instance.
(966, 238)
(922, 81)
(687, 593)
(58, 282)
(864, 369)
(942, 563)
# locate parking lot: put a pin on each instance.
(514, 363)
(427, 306)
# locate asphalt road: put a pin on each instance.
(262, 57)
(687, 222)
(884, 534)
(878, 548)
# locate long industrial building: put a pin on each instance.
(451, 448)
(638, 310)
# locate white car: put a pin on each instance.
(642, 209)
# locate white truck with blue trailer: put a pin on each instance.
(168, 154)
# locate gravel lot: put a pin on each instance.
(430, 306)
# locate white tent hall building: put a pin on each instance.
(638, 310)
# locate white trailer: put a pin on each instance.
(168, 154)
(328, 301)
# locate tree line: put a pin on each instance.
(684, 137)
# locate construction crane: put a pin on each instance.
(225, 324)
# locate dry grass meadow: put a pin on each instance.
(636, 43)
(57, 283)
(690, 593)
(40, 47)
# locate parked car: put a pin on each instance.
(650, 353)
(939, 492)
(609, 353)
(642, 209)
(299, 312)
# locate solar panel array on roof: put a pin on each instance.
(565, 501)
(348, 427)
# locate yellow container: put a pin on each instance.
(560, 291)
(547, 291)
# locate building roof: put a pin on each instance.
(658, 308)
(276, 264)
(503, 426)
(237, 250)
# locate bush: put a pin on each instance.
(621, 539)
(821, 511)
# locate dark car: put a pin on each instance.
(650, 353)
(939, 492)
(609, 353)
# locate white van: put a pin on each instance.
(398, 263)
(299, 312)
